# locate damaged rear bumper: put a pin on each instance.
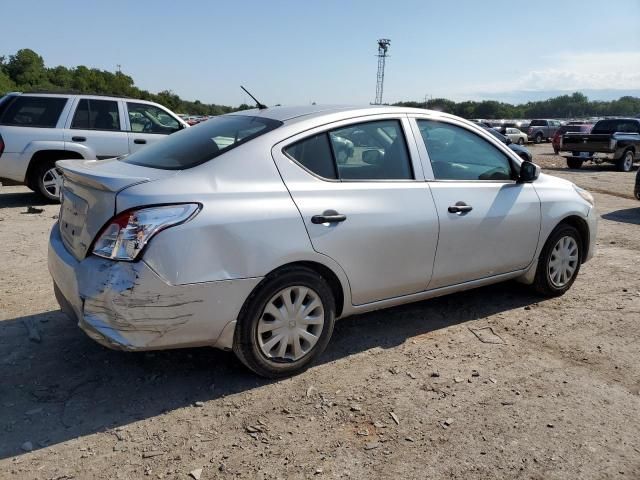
(127, 306)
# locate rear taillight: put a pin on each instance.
(126, 234)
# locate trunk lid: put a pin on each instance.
(582, 142)
(89, 197)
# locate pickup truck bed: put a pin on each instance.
(612, 140)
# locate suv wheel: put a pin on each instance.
(47, 181)
(574, 163)
(625, 163)
(286, 324)
(538, 138)
(559, 261)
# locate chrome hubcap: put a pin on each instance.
(52, 182)
(291, 324)
(628, 161)
(563, 261)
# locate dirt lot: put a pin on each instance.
(410, 392)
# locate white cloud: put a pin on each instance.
(577, 71)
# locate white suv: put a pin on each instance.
(37, 129)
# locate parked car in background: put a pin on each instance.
(614, 140)
(636, 190)
(515, 135)
(569, 127)
(259, 244)
(38, 129)
(520, 150)
(540, 130)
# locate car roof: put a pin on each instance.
(290, 114)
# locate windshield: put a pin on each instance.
(613, 125)
(199, 144)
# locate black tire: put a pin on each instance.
(521, 141)
(37, 179)
(543, 283)
(625, 162)
(245, 342)
(574, 163)
(538, 138)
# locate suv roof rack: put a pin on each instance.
(73, 92)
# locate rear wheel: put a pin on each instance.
(46, 180)
(559, 261)
(625, 163)
(521, 141)
(574, 163)
(286, 323)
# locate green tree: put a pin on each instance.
(26, 69)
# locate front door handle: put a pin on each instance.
(79, 139)
(140, 141)
(328, 216)
(460, 208)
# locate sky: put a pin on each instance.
(297, 52)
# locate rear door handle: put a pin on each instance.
(329, 216)
(79, 139)
(460, 208)
(140, 141)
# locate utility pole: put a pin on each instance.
(119, 68)
(383, 47)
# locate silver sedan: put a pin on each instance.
(255, 231)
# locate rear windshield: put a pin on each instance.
(613, 125)
(27, 111)
(573, 128)
(207, 140)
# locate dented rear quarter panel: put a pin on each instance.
(248, 226)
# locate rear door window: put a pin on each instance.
(364, 151)
(94, 114)
(26, 111)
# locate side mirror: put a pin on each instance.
(529, 172)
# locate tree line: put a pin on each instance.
(25, 71)
(576, 105)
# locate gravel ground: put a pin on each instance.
(491, 383)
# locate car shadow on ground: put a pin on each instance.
(66, 386)
(20, 199)
(627, 215)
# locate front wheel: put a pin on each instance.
(559, 261)
(286, 323)
(574, 163)
(47, 181)
(521, 141)
(625, 163)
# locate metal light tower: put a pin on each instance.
(383, 47)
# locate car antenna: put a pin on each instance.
(261, 106)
